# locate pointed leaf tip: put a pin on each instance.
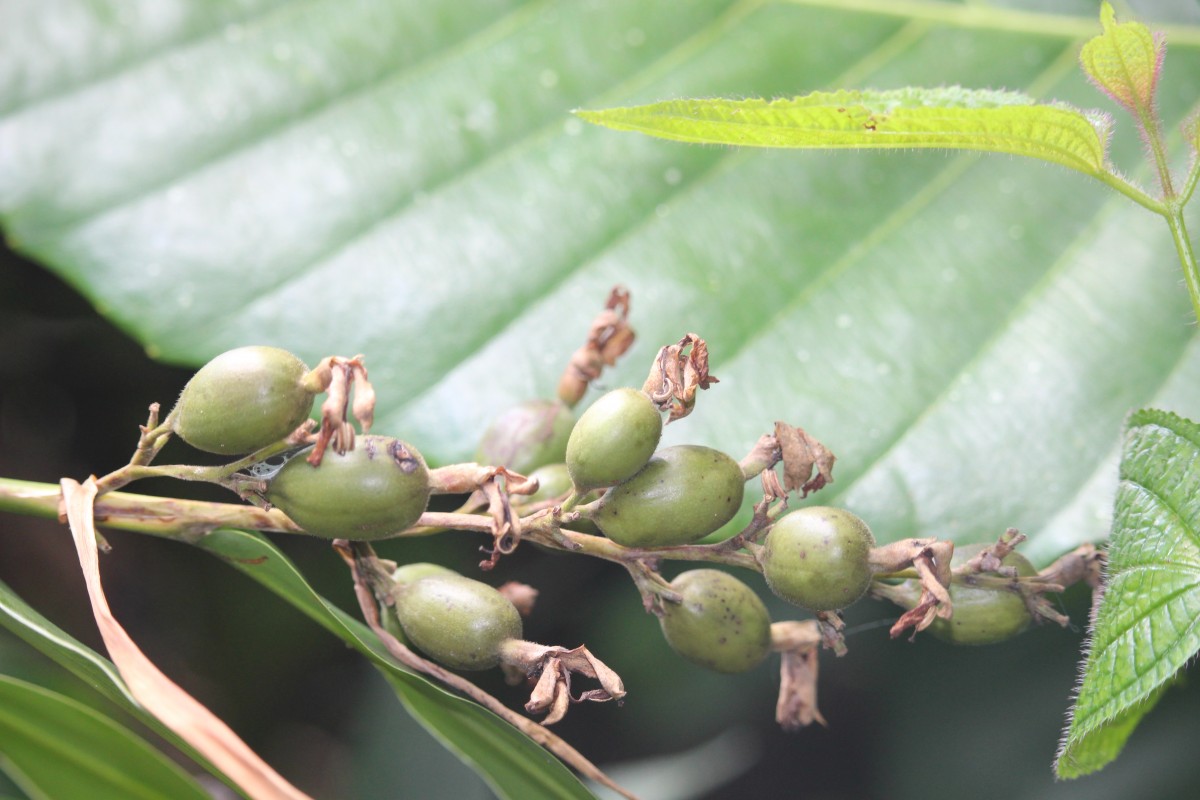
(1124, 61)
(951, 118)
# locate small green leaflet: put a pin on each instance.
(1146, 628)
(950, 118)
(1124, 61)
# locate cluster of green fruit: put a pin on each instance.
(607, 472)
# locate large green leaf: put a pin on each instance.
(1145, 629)
(404, 180)
(57, 747)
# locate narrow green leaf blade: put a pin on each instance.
(1146, 628)
(949, 118)
(1124, 61)
(512, 764)
(57, 747)
(95, 670)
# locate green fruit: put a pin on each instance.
(983, 615)
(721, 623)
(613, 439)
(377, 489)
(818, 558)
(554, 481)
(407, 573)
(527, 436)
(457, 621)
(682, 494)
(243, 400)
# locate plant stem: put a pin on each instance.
(191, 519)
(1171, 207)
(1187, 256)
(167, 517)
(1148, 202)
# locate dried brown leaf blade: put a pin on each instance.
(157, 693)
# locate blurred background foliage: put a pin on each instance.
(900, 294)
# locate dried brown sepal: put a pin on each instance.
(1085, 563)
(364, 398)
(336, 430)
(491, 485)
(762, 457)
(553, 666)
(551, 694)
(797, 642)
(521, 595)
(989, 559)
(830, 626)
(801, 455)
(679, 370)
(608, 338)
(931, 559)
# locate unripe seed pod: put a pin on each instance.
(682, 494)
(613, 439)
(818, 558)
(721, 624)
(982, 614)
(407, 573)
(554, 480)
(377, 489)
(457, 621)
(243, 400)
(527, 436)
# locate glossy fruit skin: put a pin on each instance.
(681, 495)
(457, 621)
(984, 615)
(243, 400)
(407, 573)
(613, 439)
(818, 558)
(527, 436)
(377, 489)
(721, 624)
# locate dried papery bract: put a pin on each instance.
(678, 371)
(336, 429)
(157, 693)
(608, 338)
(494, 484)
(553, 666)
(521, 595)
(930, 558)
(797, 643)
(801, 454)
